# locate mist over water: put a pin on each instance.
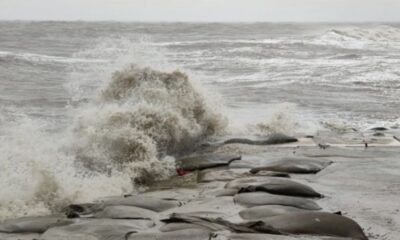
(88, 108)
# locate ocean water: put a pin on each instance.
(88, 109)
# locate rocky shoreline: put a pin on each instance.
(343, 187)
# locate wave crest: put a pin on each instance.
(142, 116)
(357, 37)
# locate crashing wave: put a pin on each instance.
(126, 133)
(142, 116)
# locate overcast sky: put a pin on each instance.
(203, 10)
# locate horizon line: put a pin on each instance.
(193, 22)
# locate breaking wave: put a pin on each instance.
(356, 37)
(124, 130)
(144, 115)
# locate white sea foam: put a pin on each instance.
(33, 57)
(142, 115)
(38, 174)
(262, 120)
(382, 36)
(229, 41)
(346, 37)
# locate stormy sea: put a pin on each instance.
(93, 109)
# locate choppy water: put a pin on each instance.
(57, 116)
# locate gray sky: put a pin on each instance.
(203, 10)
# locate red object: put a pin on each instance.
(181, 172)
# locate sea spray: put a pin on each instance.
(39, 173)
(286, 118)
(142, 116)
(126, 132)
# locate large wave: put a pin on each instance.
(142, 116)
(124, 128)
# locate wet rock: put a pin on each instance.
(180, 226)
(210, 207)
(378, 129)
(19, 236)
(179, 193)
(261, 198)
(275, 186)
(238, 183)
(186, 234)
(150, 203)
(211, 175)
(126, 212)
(260, 212)
(82, 210)
(276, 138)
(223, 192)
(104, 229)
(204, 161)
(219, 224)
(270, 174)
(317, 223)
(33, 224)
(203, 214)
(247, 236)
(379, 134)
(295, 165)
(189, 180)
